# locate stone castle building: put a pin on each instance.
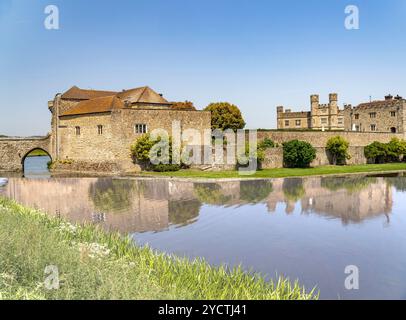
(376, 116)
(98, 127)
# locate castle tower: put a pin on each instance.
(333, 99)
(314, 102)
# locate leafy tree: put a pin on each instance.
(396, 148)
(376, 152)
(298, 154)
(338, 148)
(225, 116)
(141, 149)
(186, 105)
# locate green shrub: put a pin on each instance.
(141, 149)
(376, 152)
(338, 149)
(266, 144)
(165, 167)
(395, 149)
(298, 154)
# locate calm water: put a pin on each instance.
(309, 229)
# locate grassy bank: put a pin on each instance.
(287, 172)
(93, 264)
(37, 153)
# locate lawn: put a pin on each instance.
(287, 172)
(93, 264)
(37, 153)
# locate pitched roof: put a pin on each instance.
(142, 95)
(105, 101)
(84, 94)
(97, 105)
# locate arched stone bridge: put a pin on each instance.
(13, 151)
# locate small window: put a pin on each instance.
(393, 130)
(340, 120)
(298, 123)
(356, 116)
(323, 120)
(140, 128)
(77, 131)
(393, 113)
(286, 123)
(100, 129)
(373, 127)
(372, 115)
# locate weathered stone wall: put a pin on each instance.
(118, 134)
(319, 139)
(274, 157)
(384, 117)
(14, 150)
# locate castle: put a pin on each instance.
(376, 116)
(93, 126)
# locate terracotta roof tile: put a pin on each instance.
(97, 105)
(105, 101)
(142, 95)
(84, 94)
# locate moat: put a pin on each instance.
(304, 228)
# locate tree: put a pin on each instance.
(298, 154)
(338, 148)
(141, 149)
(376, 152)
(396, 149)
(225, 116)
(186, 105)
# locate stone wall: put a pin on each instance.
(385, 118)
(319, 138)
(119, 134)
(14, 150)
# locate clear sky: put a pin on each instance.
(255, 54)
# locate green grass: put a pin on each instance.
(287, 172)
(37, 153)
(94, 264)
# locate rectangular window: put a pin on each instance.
(77, 131)
(393, 113)
(323, 120)
(100, 129)
(356, 116)
(140, 128)
(286, 123)
(372, 115)
(373, 127)
(298, 123)
(340, 120)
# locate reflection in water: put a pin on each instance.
(268, 225)
(137, 205)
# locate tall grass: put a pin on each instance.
(94, 264)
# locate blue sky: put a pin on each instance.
(255, 54)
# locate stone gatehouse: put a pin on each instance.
(96, 128)
(386, 115)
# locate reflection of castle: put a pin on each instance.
(350, 199)
(129, 205)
